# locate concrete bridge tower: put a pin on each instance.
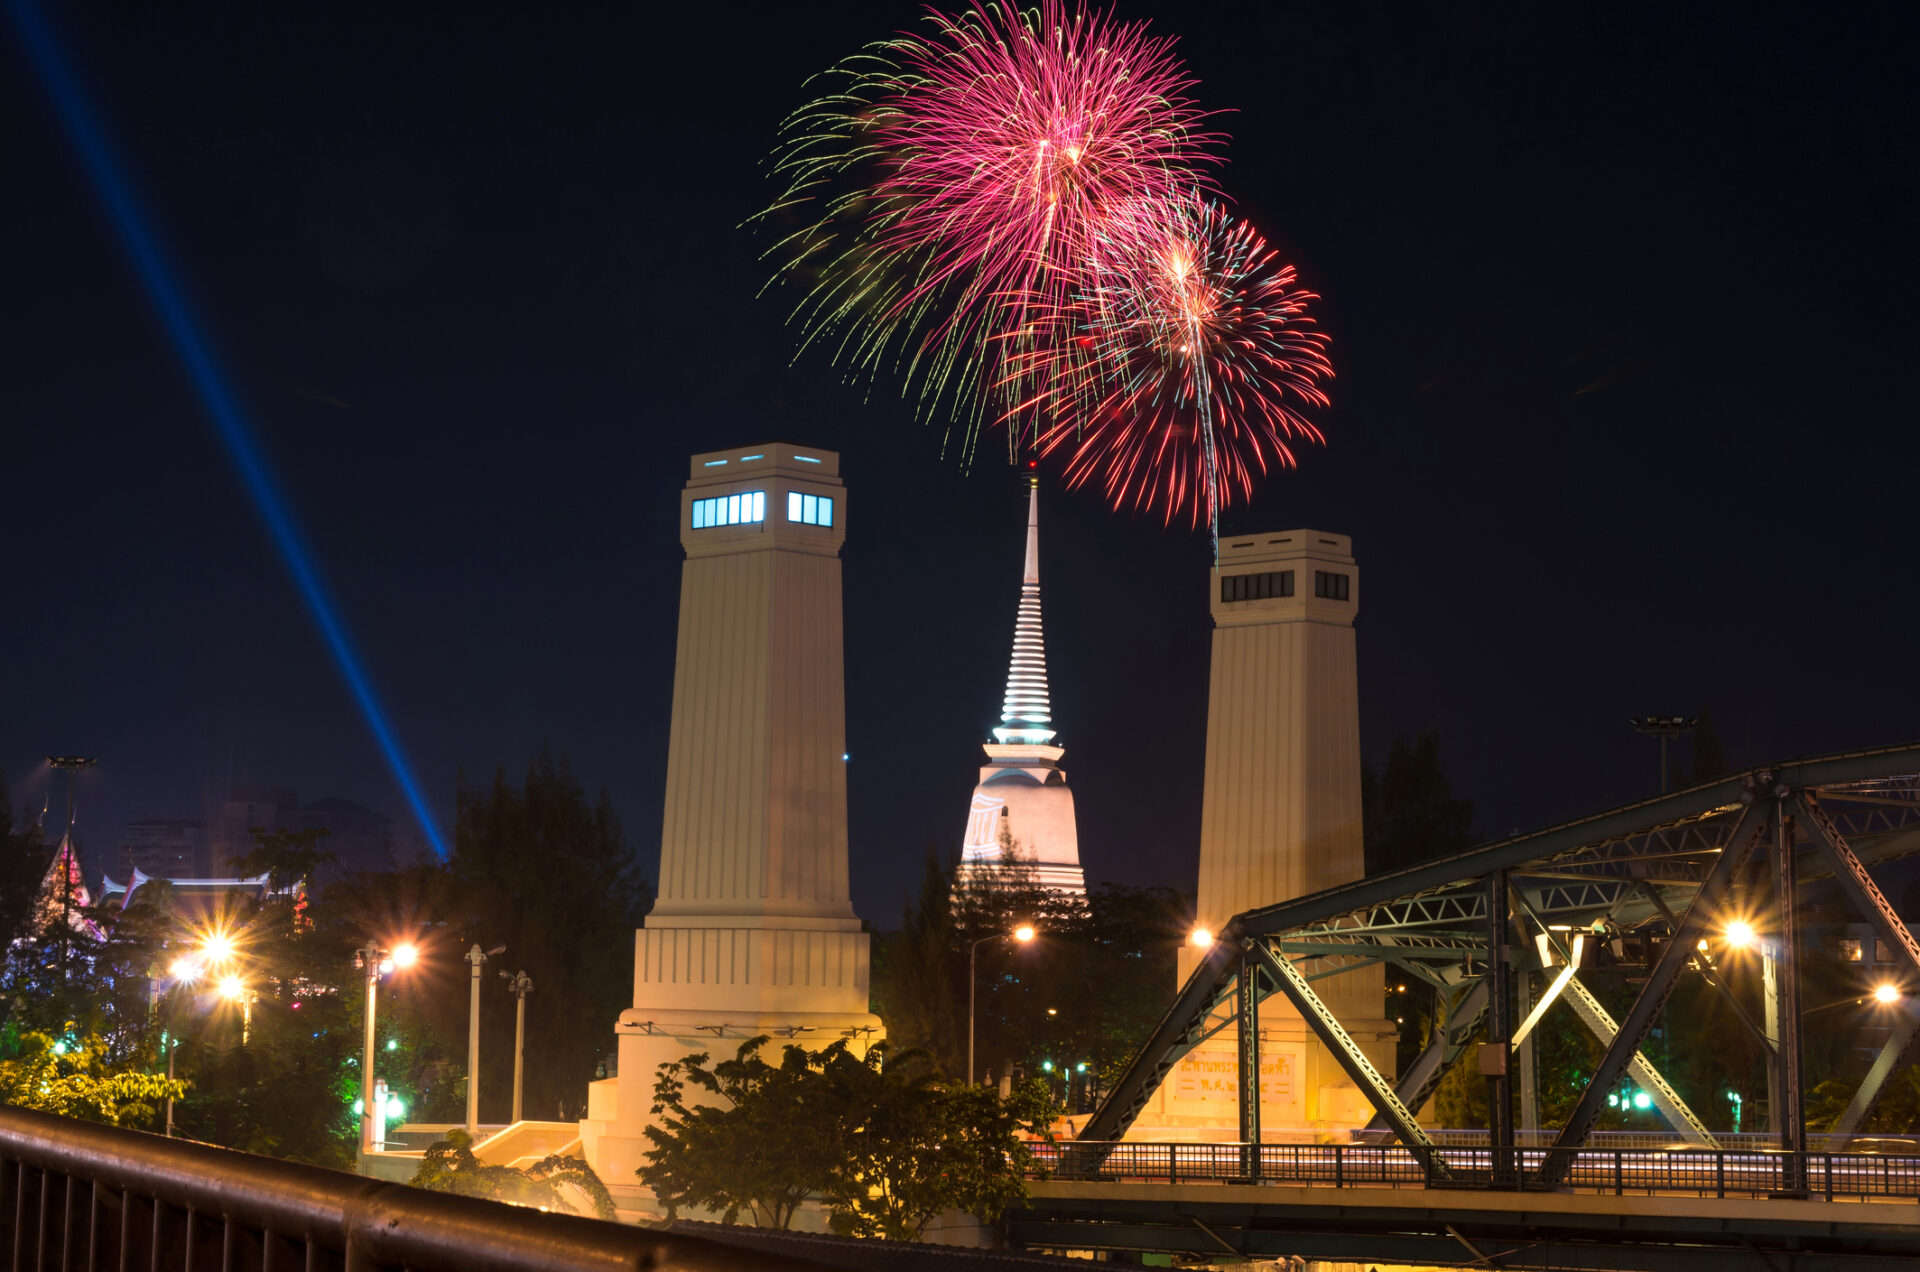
(753, 931)
(1280, 814)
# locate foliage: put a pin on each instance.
(285, 856)
(916, 1146)
(762, 1151)
(1409, 816)
(552, 1183)
(549, 874)
(72, 1077)
(881, 1138)
(1087, 990)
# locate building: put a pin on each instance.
(163, 849)
(1022, 811)
(753, 932)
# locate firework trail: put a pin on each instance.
(1176, 376)
(952, 190)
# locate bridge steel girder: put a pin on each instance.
(1349, 1056)
(1178, 1032)
(1882, 1068)
(1748, 833)
(1860, 888)
(1285, 917)
(1247, 994)
(1441, 1053)
(1600, 1021)
(1398, 916)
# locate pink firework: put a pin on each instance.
(1177, 377)
(962, 182)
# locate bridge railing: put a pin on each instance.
(1735, 1173)
(80, 1197)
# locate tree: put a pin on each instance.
(72, 1077)
(540, 868)
(552, 1183)
(914, 986)
(881, 1138)
(762, 1152)
(1409, 811)
(287, 857)
(914, 1146)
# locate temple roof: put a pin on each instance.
(1025, 714)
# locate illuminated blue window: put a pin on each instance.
(730, 510)
(809, 510)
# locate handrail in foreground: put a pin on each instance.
(76, 1195)
(1725, 1173)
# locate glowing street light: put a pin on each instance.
(1023, 934)
(1740, 935)
(375, 960)
(1200, 938)
(235, 990)
(216, 948)
(186, 969)
(1886, 993)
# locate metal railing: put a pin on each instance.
(1736, 1173)
(79, 1197)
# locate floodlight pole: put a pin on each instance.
(521, 984)
(368, 957)
(477, 957)
(1666, 728)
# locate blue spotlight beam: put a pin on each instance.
(103, 170)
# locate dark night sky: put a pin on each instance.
(1622, 302)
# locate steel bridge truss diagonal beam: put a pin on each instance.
(1178, 1033)
(1348, 1054)
(1748, 833)
(1882, 1068)
(1866, 896)
(1600, 1021)
(1437, 1058)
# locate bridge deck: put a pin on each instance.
(1520, 1230)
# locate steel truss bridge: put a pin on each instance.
(1651, 885)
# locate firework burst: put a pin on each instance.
(953, 189)
(1175, 377)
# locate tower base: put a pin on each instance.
(1304, 1093)
(613, 1135)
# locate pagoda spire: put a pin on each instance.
(1025, 716)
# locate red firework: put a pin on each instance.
(1175, 377)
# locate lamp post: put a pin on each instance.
(235, 990)
(1022, 934)
(521, 984)
(375, 959)
(185, 971)
(1666, 728)
(477, 957)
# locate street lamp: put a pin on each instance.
(1022, 934)
(235, 990)
(375, 960)
(1886, 993)
(521, 984)
(477, 957)
(185, 971)
(1740, 935)
(1200, 938)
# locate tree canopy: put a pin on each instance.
(881, 1139)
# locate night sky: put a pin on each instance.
(1622, 303)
